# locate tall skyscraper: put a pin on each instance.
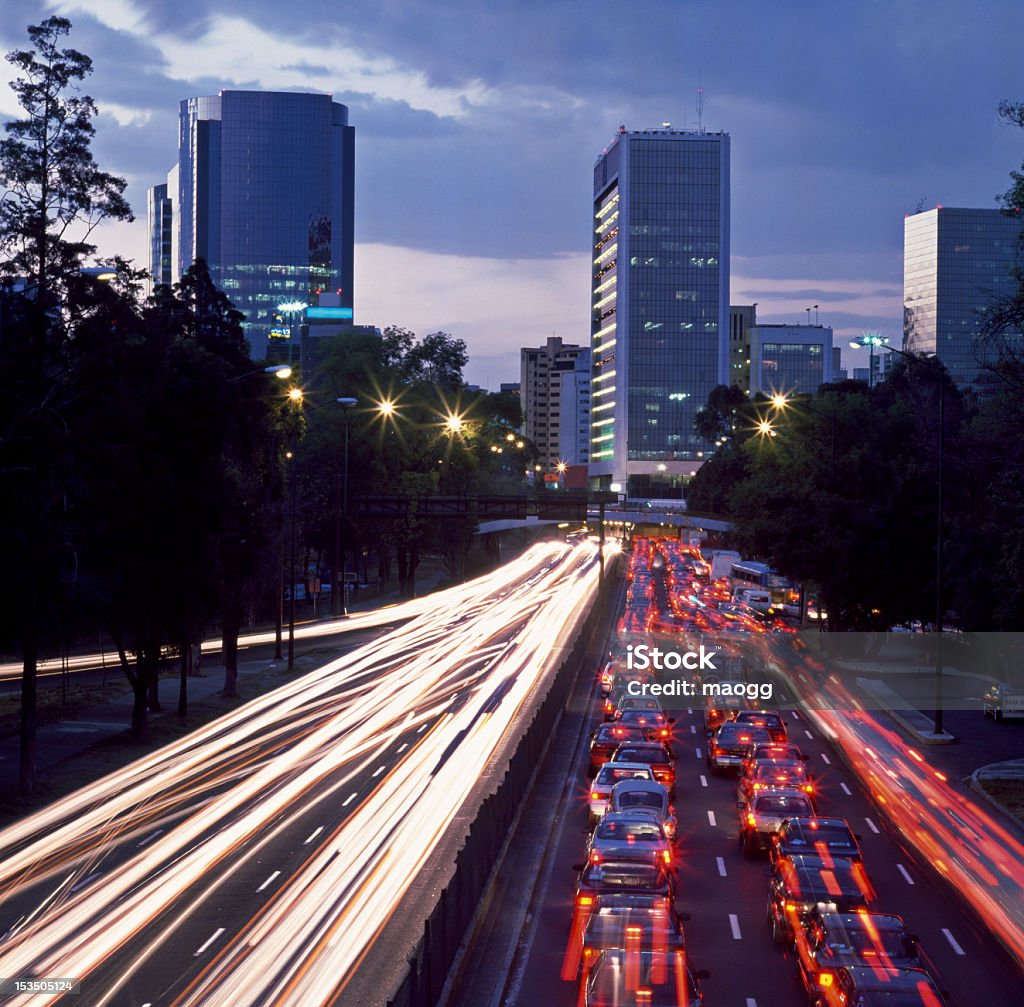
(263, 191)
(549, 401)
(956, 262)
(160, 218)
(660, 304)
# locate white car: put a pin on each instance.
(607, 777)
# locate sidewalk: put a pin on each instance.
(1001, 784)
(94, 739)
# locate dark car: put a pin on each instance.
(641, 922)
(610, 877)
(798, 885)
(768, 719)
(629, 836)
(655, 754)
(773, 774)
(864, 986)
(607, 738)
(655, 724)
(729, 745)
(829, 941)
(719, 709)
(656, 979)
(822, 836)
(761, 816)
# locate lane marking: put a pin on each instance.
(872, 826)
(703, 780)
(751, 1002)
(150, 837)
(828, 761)
(711, 818)
(906, 877)
(693, 729)
(846, 790)
(316, 832)
(796, 716)
(689, 711)
(269, 881)
(952, 942)
(208, 942)
(734, 924)
(809, 735)
(699, 753)
(348, 800)
(423, 727)
(379, 770)
(721, 867)
(403, 748)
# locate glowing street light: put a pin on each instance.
(386, 408)
(870, 340)
(765, 428)
(453, 423)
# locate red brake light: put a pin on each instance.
(584, 900)
(595, 796)
(824, 978)
(751, 820)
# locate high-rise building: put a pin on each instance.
(160, 218)
(956, 262)
(742, 317)
(789, 359)
(263, 191)
(660, 304)
(547, 402)
(574, 432)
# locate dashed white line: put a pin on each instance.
(698, 753)
(379, 770)
(872, 826)
(721, 866)
(952, 942)
(208, 942)
(269, 881)
(703, 780)
(423, 727)
(751, 1002)
(826, 759)
(150, 838)
(796, 716)
(689, 710)
(711, 818)
(846, 790)
(316, 832)
(906, 877)
(734, 925)
(809, 735)
(693, 729)
(403, 748)
(348, 800)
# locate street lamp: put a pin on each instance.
(280, 371)
(870, 340)
(935, 364)
(295, 396)
(339, 553)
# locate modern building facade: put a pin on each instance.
(742, 318)
(789, 359)
(574, 430)
(160, 217)
(956, 263)
(263, 190)
(549, 406)
(660, 304)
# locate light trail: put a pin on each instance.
(452, 680)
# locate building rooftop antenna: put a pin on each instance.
(700, 106)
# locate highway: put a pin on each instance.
(255, 861)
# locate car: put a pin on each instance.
(729, 745)
(823, 836)
(627, 835)
(645, 922)
(644, 795)
(1003, 700)
(655, 754)
(774, 750)
(799, 884)
(607, 676)
(657, 725)
(865, 986)
(719, 709)
(637, 703)
(609, 775)
(828, 941)
(651, 979)
(607, 738)
(774, 774)
(761, 816)
(623, 877)
(769, 719)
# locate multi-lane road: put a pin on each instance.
(255, 861)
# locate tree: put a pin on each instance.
(54, 195)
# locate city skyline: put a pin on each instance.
(478, 131)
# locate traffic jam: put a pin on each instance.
(627, 943)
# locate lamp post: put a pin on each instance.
(935, 364)
(340, 556)
(295, 396)
(870, 340)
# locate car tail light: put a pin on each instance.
(664, 732)
(808, 788)
(751, 820)
(584, 900)
(824, 978)
(790, 907)
(667, 856)
(595, 857)
(595, 796)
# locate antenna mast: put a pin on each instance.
(700, 106)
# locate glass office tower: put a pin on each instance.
(660, 304)
(264, 193)
(956, 262)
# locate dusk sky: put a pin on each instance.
(478, 124)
